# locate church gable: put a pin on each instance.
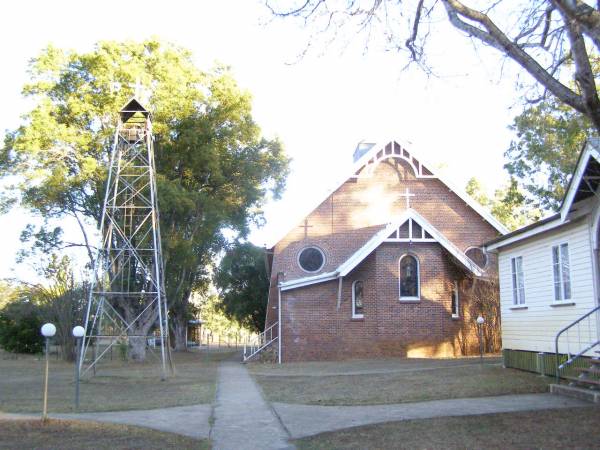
(386, 184)
(411, 227)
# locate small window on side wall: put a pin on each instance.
(409, 278)
(518, 282)
(455, 301)
(562, 272)
(357, 300)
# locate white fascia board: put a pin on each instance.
(364, 159)
(358, 256)
(527, 234)
(444, 242)
(307, 281)
(470, 201)
(589, 152)
(382, 235)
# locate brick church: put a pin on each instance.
(382, 266)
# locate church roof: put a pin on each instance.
(431, 234)
(370, 158)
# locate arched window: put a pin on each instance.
(357, 300)
(409, 278)
(478, 256)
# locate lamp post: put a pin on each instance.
(48, 330)
(480, 322)
(78, 333)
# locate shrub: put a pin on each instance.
(20, 324)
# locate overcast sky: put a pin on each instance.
(320, 106)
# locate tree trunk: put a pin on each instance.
(137, 348)
(179, 331)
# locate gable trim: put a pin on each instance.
(590, 151)
(378, 238)
(363, 161)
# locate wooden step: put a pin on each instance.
(591, 370)
(595, 361)
(588, 381)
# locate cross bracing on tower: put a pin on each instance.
(127, 303)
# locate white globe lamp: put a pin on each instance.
(78, 331)
(48, 330)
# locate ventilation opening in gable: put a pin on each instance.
(411, 230)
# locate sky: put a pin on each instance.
(320, 106)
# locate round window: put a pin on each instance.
(478, 256)
(311, 259)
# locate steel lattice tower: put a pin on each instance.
(127, 299)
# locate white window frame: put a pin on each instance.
(517, 280)
(455, 315)
(564, 295)
(405, 298)
(354, 314)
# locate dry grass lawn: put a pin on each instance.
(575, 428)
(399, 381)
(67, 435)
(117, 385)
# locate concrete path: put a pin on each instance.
(192, 421)
(243, 420)
(306, 420)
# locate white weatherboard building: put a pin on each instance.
(549, 278)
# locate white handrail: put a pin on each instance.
(260, 342)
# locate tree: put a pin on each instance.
(9, 292)
(549, 138)
(20, 323)
(61, 301)
(509, 204)
(244, 285)
(549, 39)
(214, 320)
(215, 170)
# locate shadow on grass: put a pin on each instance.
(118, 385)
(420, 383)
(68, 435)
(564, 428)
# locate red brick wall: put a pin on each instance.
(313, 327)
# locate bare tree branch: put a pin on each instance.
(587, 17)
(415, 31)
(493, 36)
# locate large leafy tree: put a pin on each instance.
(215, 169)
(509, 204)
(243, 285)
(554, 41)
(549, 138)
